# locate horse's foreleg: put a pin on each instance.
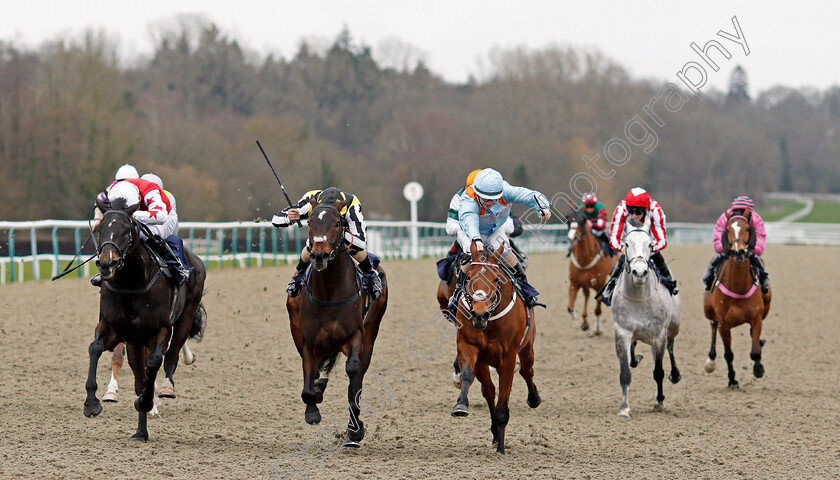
(310, 395)
(467, 358)
(658, 350)
(726, 337)
(710, 362)
(488, 391)
(598, 310)
(622, 351)
(634, 359)
(353, 367)
(136, 360)
(755, 352)
(526, 369)
(573, 289)
(586, 310)
(502, 412)
(674, 376)
(92, 405)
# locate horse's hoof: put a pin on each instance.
(139, 437)
(356, 436)
(758, 370)
(460, 411)
(166, 391)
(93, 410)
(624, 413)
(733, 385)
(110, 397)
(710, 365)
(761, 342)
(456, 380)
(312, 415)
(534, 403)
(674, 378)
(598, 333)
(190, 359)
(351, 443)
(584, 327)
(659, 407)
(140, 407)
(635, 361)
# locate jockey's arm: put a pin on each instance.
(452, 226)
(292, 214)
(720, 228)
(528, 197)
(468, 217)
(657, 227)
(760, 232)
(617, 227)
(356, 233)
(155, 212)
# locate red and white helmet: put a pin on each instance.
(590, 198)
(637, 197)
(126, 191)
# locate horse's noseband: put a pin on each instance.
(482, 296)
(121, 255)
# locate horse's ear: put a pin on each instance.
(500, 250)
(340, 205)
(131, 210)
(474, 251)
(102, 206)
(647, 223)
(747, 213)
(313, 202)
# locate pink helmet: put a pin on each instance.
(590, 198)
(743, 202)
(637, 197)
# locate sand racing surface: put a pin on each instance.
(239, 414)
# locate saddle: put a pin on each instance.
(668, 283)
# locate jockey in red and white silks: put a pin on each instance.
(154, 204)
(638, 197)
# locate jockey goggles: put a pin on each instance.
(636, 210)
(588, 205)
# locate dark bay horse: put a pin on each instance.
(329, 318)
(140, 307)
(496, 326)
(590, 268)
(736, 299)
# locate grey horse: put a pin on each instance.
(643, 309)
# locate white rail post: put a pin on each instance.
(413, 192)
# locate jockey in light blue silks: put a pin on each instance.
(485, 207)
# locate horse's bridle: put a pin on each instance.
(628, 261)
(480, 295)
(336, 247)
(737, 239)
(132, 245)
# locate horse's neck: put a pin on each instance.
(134, 270)
(736, 276)
(339, 273)
(638, 291)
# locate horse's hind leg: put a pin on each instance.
(622, 350)
(635, 359)
(488, 390)
(658, 376)
(726, 337)
(136, 360)
(710, 362)
(755, 352)
(674, 376)
(170, 361)
(116, 364)
(526, 369)
(145, 401)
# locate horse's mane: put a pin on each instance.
(119, 204)
(635, 223)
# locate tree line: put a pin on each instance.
(72, 112)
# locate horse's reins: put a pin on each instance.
(574, 259)
(468, 302)
(719, 278)
(120, 262)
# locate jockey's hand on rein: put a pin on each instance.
(545, 214)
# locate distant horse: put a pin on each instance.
(330, 317)
(140, 307)
(495, 328)
(736, 299)
(590, 268)
(643, 309)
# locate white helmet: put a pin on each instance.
(126, 171)
(151, 177)
(126, 191)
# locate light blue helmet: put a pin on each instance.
(488, 184)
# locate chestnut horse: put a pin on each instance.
(139, 306)
(496, 326)
(590, 268)
(736, 298)
(329, 318)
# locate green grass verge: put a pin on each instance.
(774, 209)
(823, 212)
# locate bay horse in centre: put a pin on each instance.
(334, 315)
(736, 298)
(139, 306)
(590, 268)
(495, 328)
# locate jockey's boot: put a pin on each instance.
(460, 284)
(372, 277)
(709, 276)
(172, 260)
(763, 276)
(96, 280)
(605, 295)
(659, 261)
(297, 279)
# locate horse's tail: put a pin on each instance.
(199, 322)
(328, 363)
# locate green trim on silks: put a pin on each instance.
(453, 214)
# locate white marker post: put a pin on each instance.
(413, 192)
